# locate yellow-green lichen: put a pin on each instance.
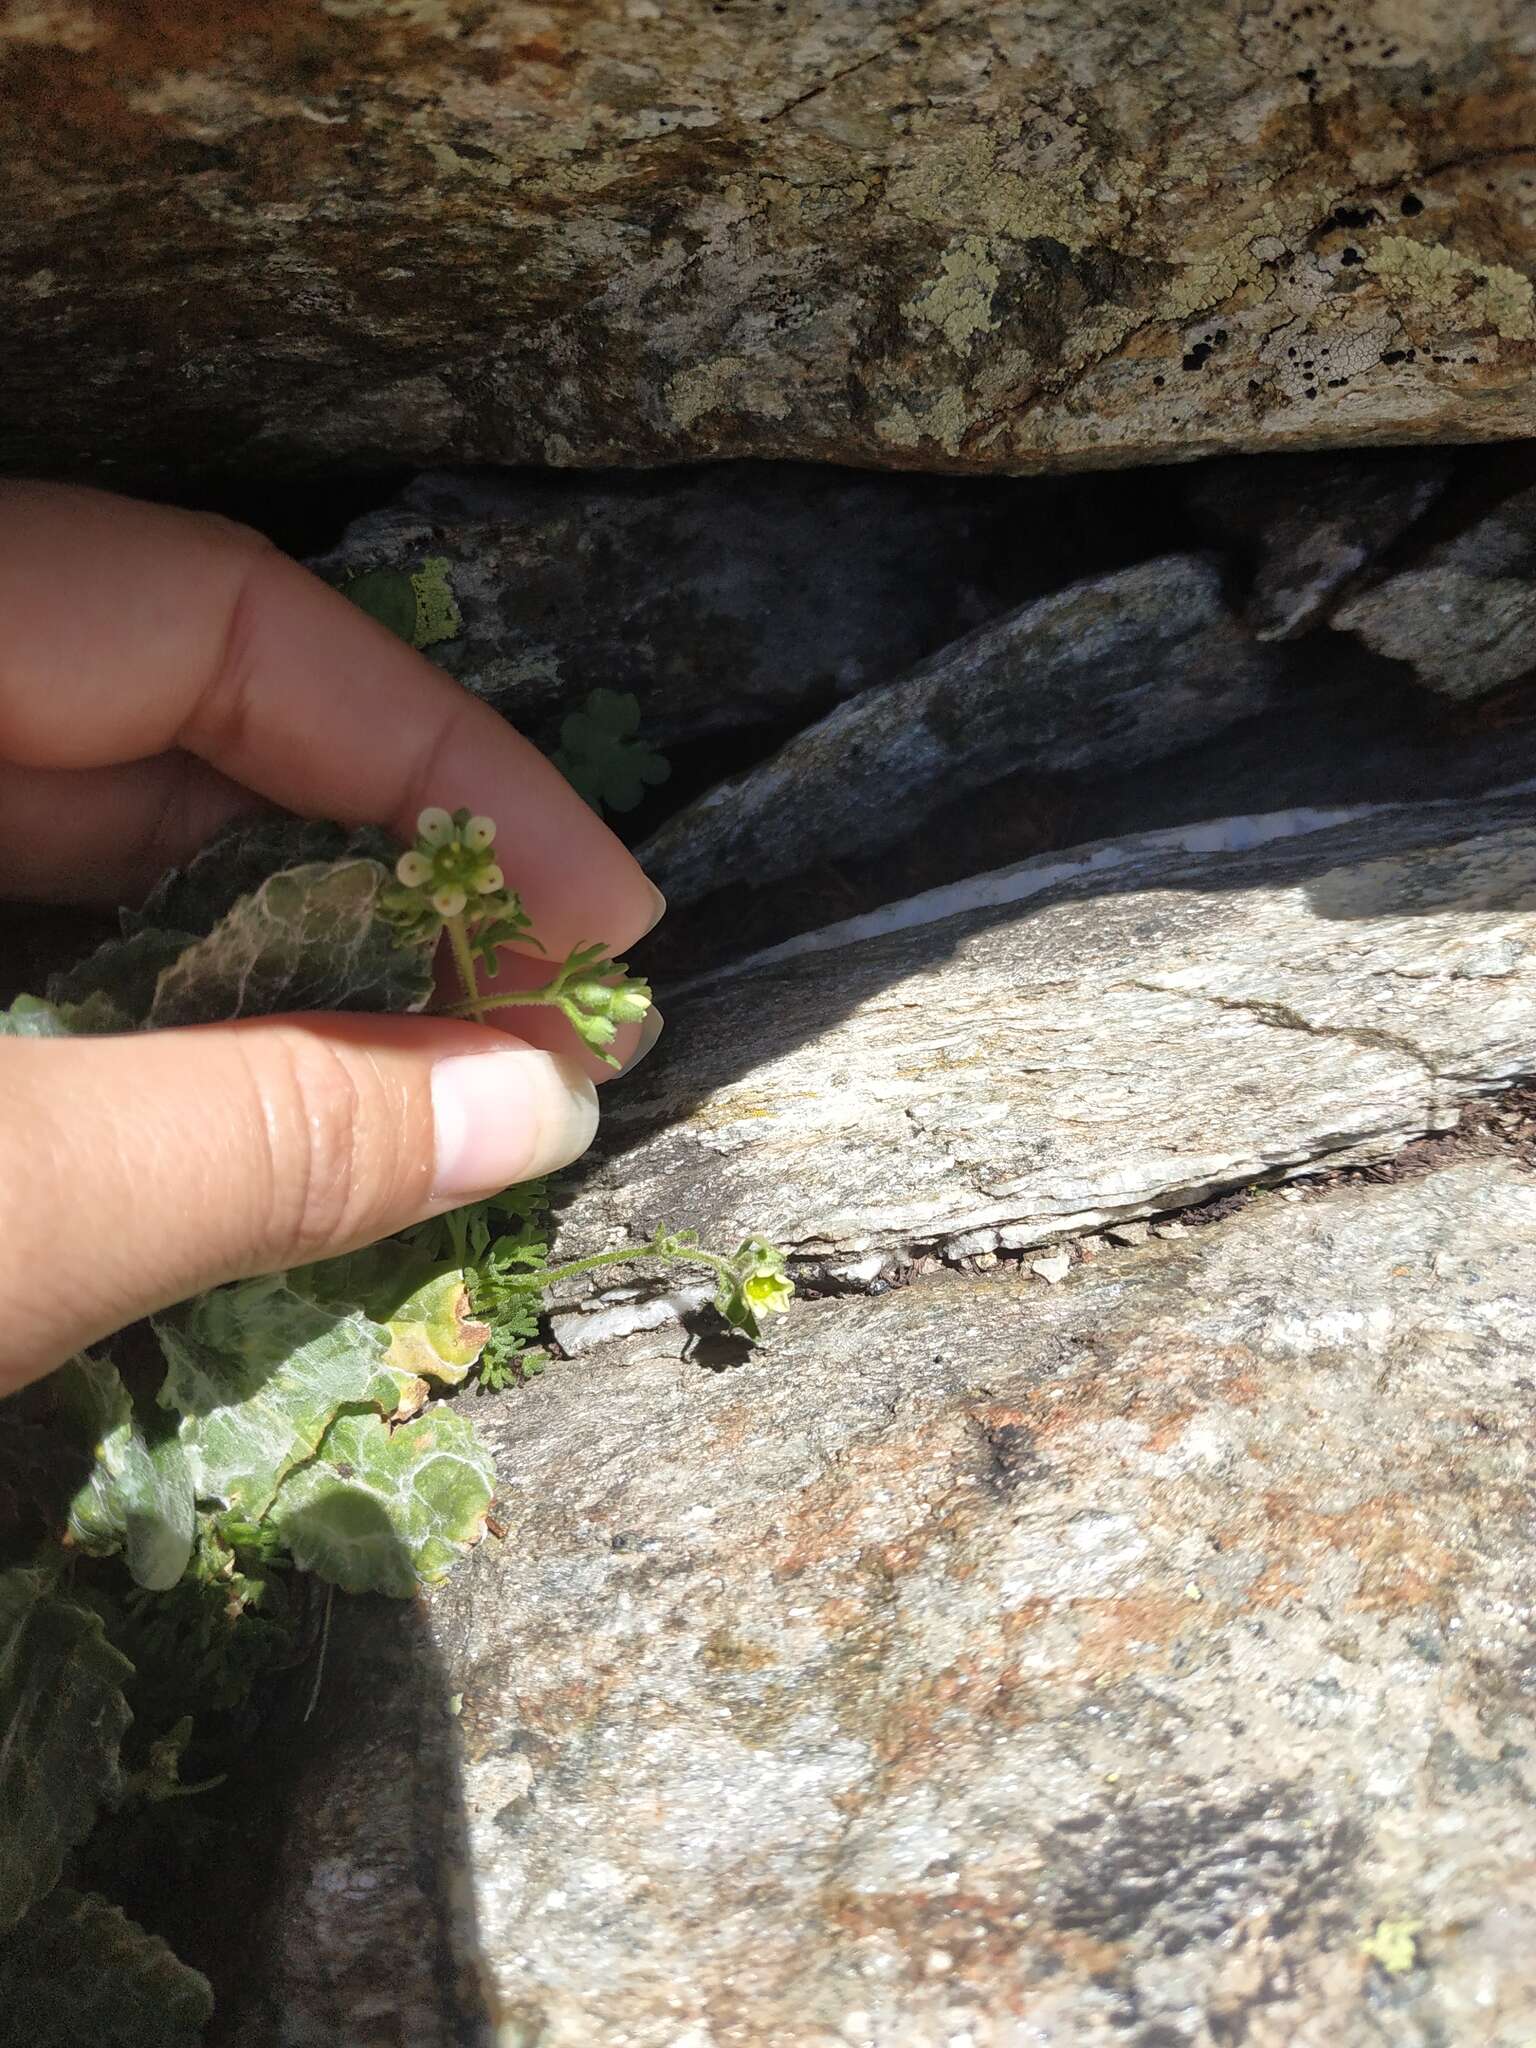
(488, 169)
(947, 420)
(726, 384)
(966, 179)
(1206, 282)
(1483, 295)
(1393, 1946)
(958, 302)
(437, 611)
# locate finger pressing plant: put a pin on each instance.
(167, 1497)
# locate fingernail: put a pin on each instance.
(658, 908)
(650, 1030)
(507, 1116)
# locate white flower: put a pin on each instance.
(434, 826)
(413, 869)
(449, 902)
(490, 879)
(479, 833)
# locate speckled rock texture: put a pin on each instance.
(729, 596)
(1132, 1661)
(904, 233)
(1112, 672)
(1159, 1025)
(1310, 525)
(1464, 617)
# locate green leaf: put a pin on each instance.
(31, 1017)
(417, 605)
(251, 927)
(387, 595)
(62, 1718)
(308, 939)
(80, 1974)
(239, 859)
(122, 974)
(138, 1497)
(423, 1304)
(600, 756)
(258, 1373)
(381, 1510)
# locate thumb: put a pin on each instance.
(145, 1168)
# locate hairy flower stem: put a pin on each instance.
(478, 1006)
(474, 1004)
(546, 1276)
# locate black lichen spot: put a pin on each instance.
(1159, 382)
(1014, 1460)
(1197, 357)
(1309, 76)
(1176, 1875)
(1350, 256)
(1412, 204)
(1354, 216)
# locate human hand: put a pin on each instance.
(163, 672)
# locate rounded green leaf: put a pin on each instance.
(62, 1718)
(83, 1975)
(387, 595)
(383, 1511)
(138, 1497)
(258, 1373)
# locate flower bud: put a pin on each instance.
(413, 869)
(434, 826)
(629, 1002)
(449, 902)
(478, 834)
(490, 879)
(592, 995)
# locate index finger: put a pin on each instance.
(133, 629)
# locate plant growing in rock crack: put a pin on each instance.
(156, 1492)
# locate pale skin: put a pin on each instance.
(160, 673)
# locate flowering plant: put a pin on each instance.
(449, 882)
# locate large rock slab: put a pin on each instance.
(1464, 616)
(723, 597)
(907, 235)
(1129, 1662)
(1155, 1023)
(1310, 525)
(1112, 672)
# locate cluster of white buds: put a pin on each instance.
(451, 863)
(449, 882)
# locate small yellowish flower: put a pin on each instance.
(769, 1293)
(434, 826)
(490, 879)
(414, 870)
(479, 833)
(448, 902)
